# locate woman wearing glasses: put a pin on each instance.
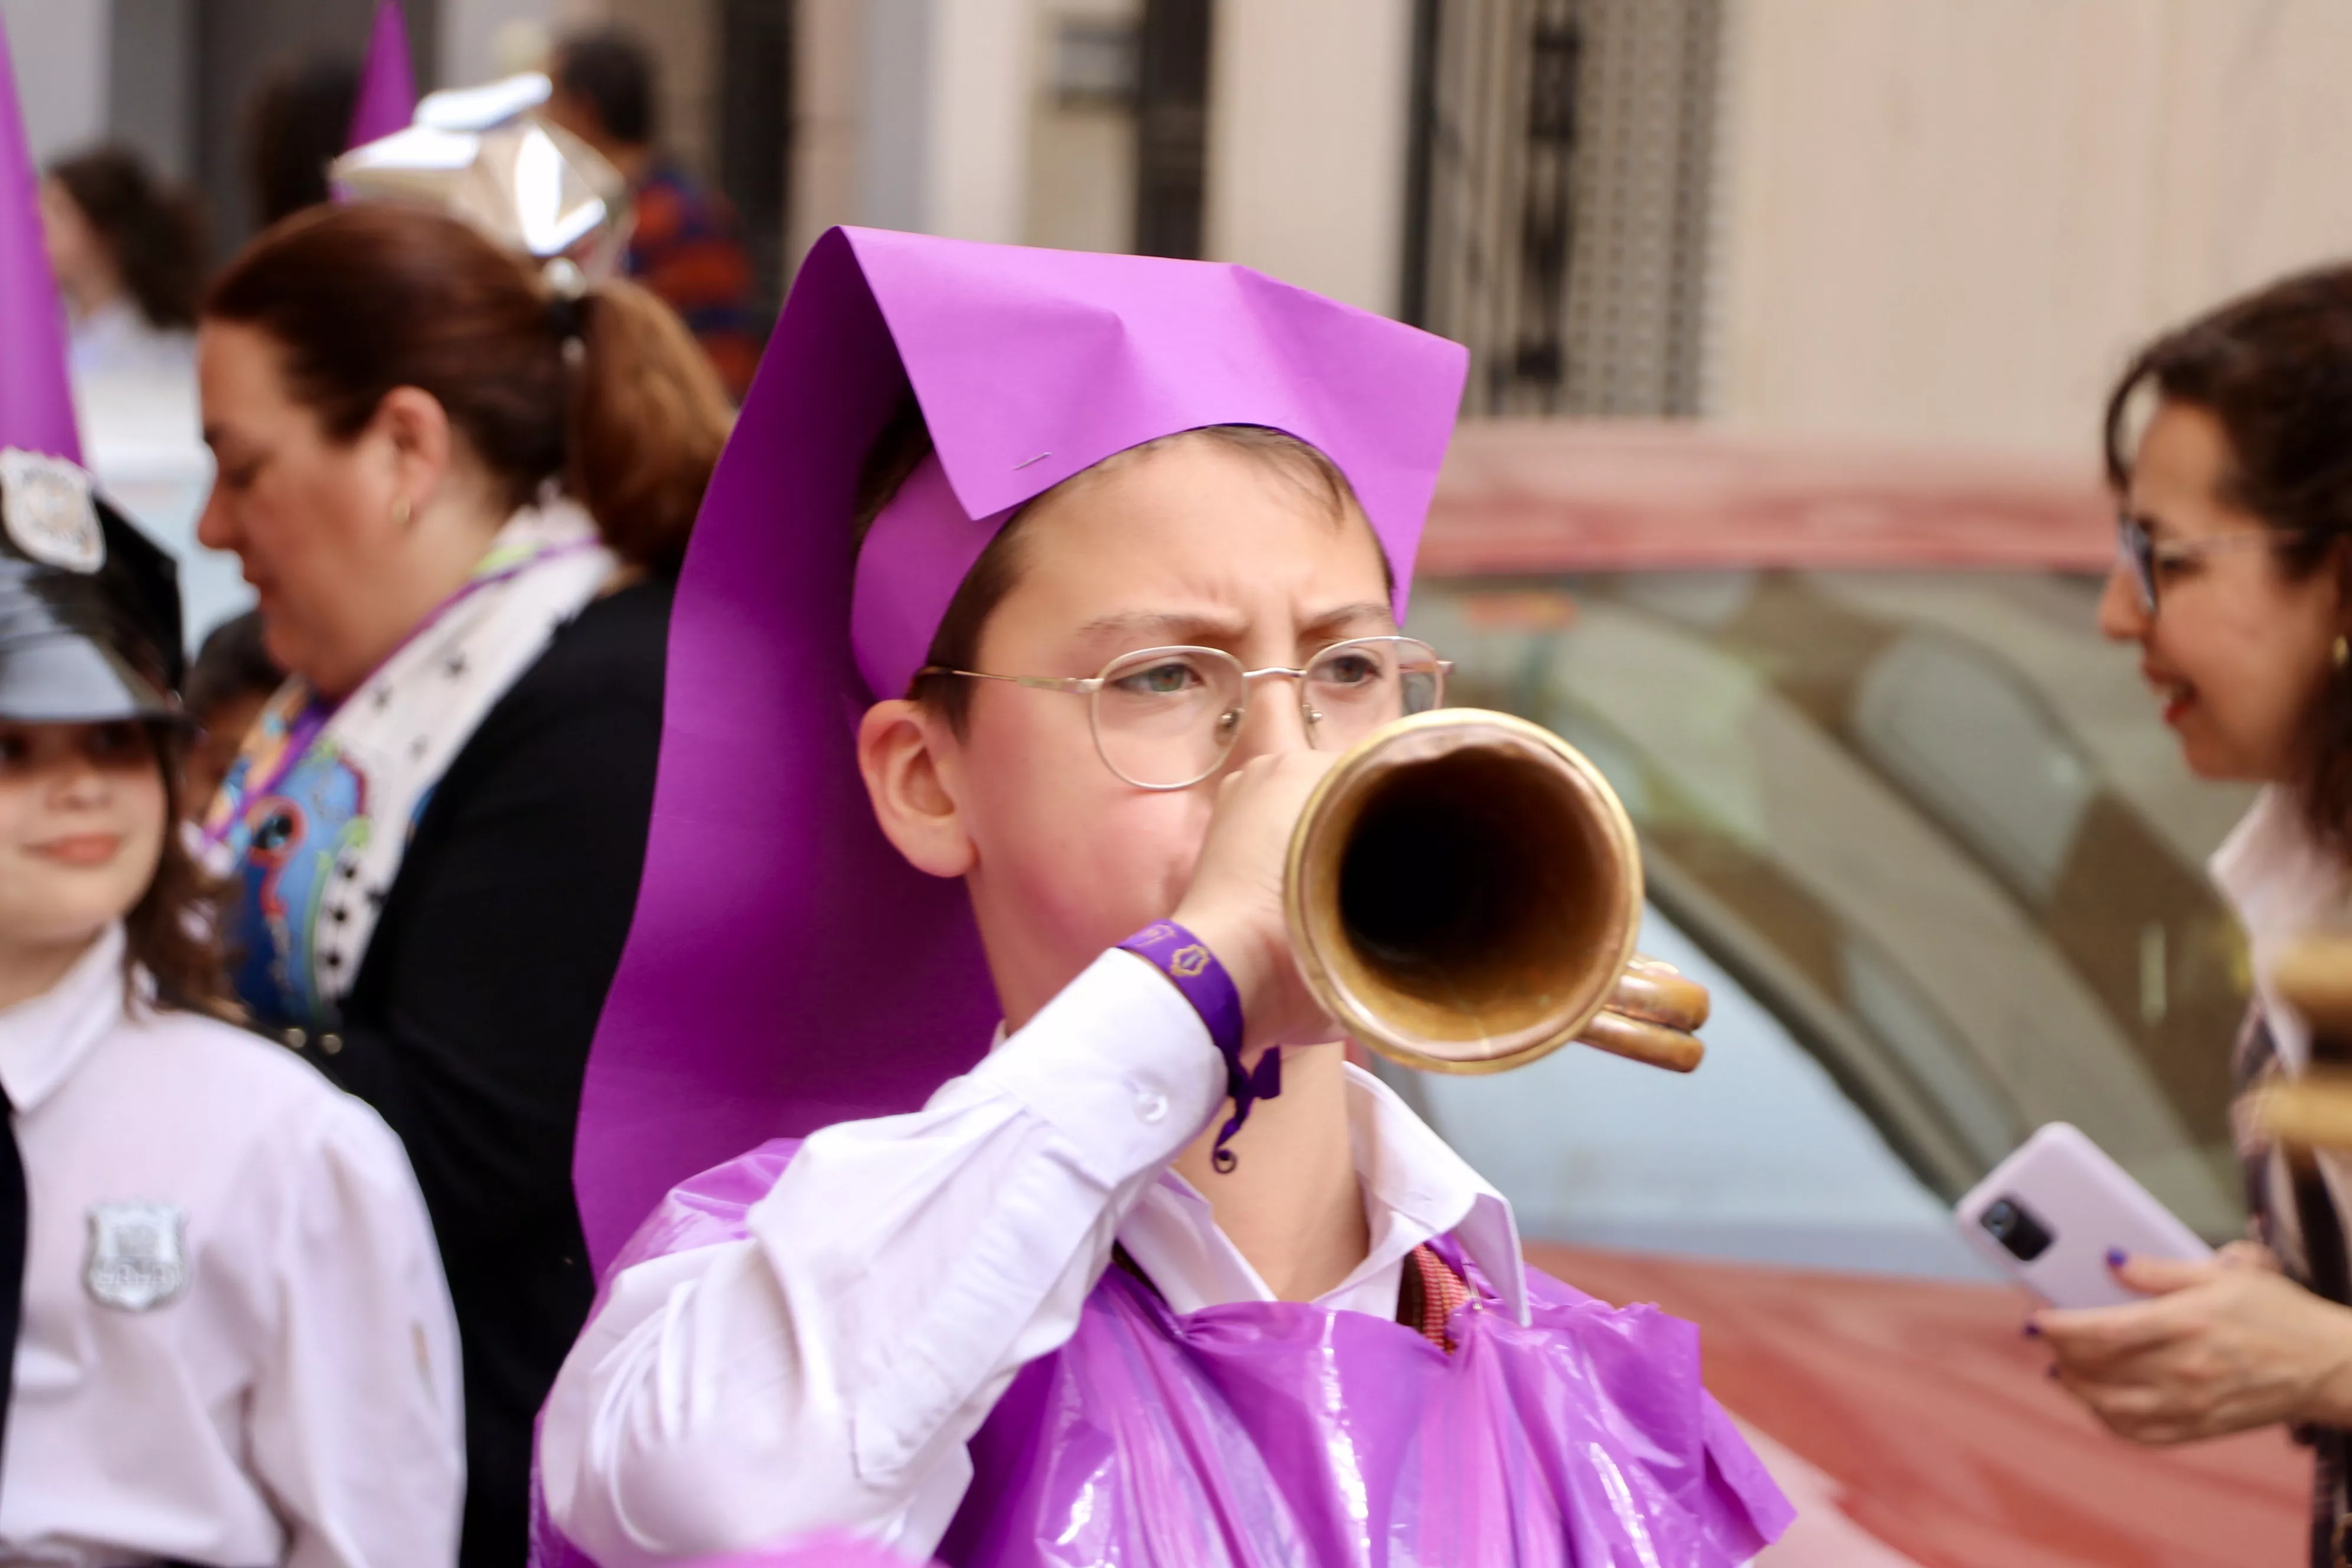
(2236, 556)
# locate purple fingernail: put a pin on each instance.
(2117, 1257)
(2032, 1330)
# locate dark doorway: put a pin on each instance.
(755, 128)
(239, 44)
(1171, 131)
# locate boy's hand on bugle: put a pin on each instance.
(1234, 902)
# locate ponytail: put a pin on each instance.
(605, 393)
(646, 421)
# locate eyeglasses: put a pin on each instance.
(1166, 717)
(2140, 552)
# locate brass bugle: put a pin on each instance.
(1463, 892)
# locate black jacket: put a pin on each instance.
(468, 1025)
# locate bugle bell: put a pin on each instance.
(1463, 893)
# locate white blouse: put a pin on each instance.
(828, 1370)
(237, 1343)
(2285, 886)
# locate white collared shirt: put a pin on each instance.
(829, 1371)
(236, 1344)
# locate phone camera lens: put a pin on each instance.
(2011, 1223)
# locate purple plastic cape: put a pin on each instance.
(786, 969)
(1267, 1434)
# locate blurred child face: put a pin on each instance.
(221, 733)
(1190, 544)
(81, 830)
(2237, 650)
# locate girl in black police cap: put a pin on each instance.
(231, 1339)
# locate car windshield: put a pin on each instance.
(1926, 840)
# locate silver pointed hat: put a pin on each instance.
(487, 156)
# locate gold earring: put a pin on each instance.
(2342, 652)
(400, 519)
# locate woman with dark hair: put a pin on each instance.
(462, 494)
(128, 252)
(224, 1333)
(2229, 443)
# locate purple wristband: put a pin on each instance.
(1201, 981)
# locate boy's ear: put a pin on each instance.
(900, 749)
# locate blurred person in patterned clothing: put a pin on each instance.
(687, 246)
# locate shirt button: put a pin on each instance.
(1151, 1106)
(332, 1044)
(297, 1038)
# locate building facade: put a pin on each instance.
(1941, 222)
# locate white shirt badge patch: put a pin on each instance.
(46, 506)
(138, 1254)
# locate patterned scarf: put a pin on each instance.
(318, 809)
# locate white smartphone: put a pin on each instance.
(2049, 1215)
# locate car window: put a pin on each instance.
(1927, 830)
(1758, 1155)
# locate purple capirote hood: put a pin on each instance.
(37, 410)
(786, 969)
(387, 96)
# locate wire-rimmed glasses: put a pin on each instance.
(2142, 553)
(1166, 717)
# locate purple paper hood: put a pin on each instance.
(786, 969)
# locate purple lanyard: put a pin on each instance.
(318, 712)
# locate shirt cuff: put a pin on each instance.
(1120, 1064)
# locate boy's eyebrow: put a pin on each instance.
(1346, 615)
(1165, 624)
(1208, 626)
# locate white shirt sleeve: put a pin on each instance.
(356, 1422)
(828, 1370)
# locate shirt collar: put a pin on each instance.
(1415, 1188)
(45, 1038)
(2272, 872)
(2283, 885)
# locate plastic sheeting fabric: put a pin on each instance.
(1267, 1434)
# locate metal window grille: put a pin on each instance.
(1561, 177)
(1171, 126)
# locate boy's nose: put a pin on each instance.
(1273, 722)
